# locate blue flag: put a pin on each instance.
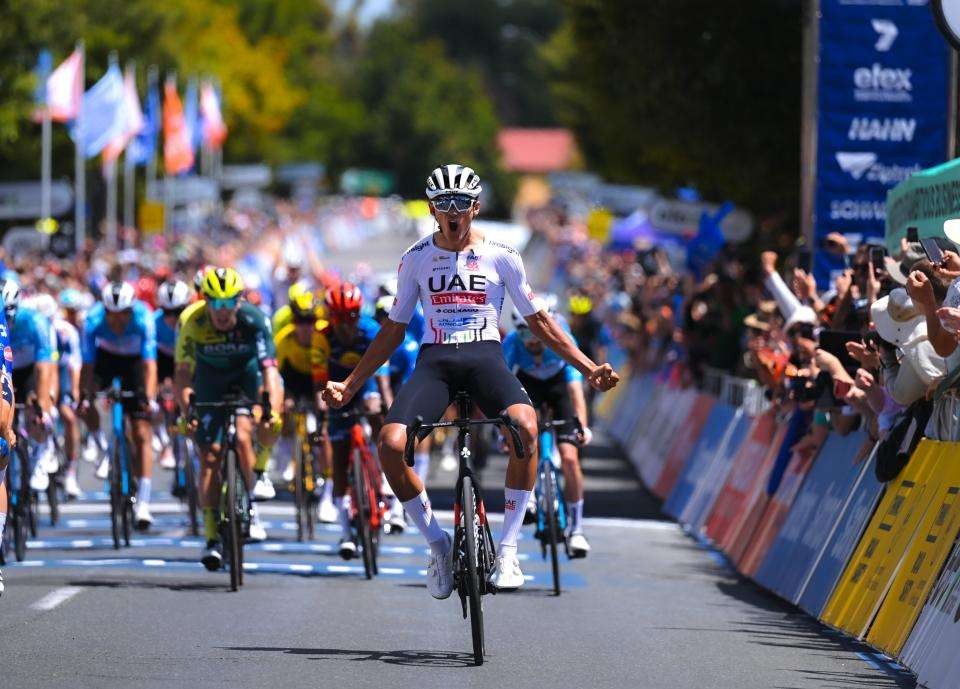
(141, 148)
(709, 240)
(42, 70)
(191, 113)
(101, 114)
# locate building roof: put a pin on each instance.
(536, 150)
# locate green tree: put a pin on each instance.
(671, 92)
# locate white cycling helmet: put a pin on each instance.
(173, 295)
(453, 179)
(10, 293)
(517, 321)
(46, 306)
(118, 296)
(390, 286)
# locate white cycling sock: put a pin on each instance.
(328, 489)
(102, 440)
(343, 510)
(143, 491)
(514, 505)
(421, 514)
(3, 517)
(421, 465)
(576, 516)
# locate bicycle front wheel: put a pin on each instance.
(471, 528)
(233, 537)
(190, 477)
(553, 532)
(361, 496)
(299, 490)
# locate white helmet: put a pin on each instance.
(46, 306)
(453, 179)
(173, 295)
(390, 286)
(517, 321)
(10, 293)
(117, 296)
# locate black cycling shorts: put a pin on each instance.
(553, 394)
(129, 369)
(443, 370)
(24, 381)
(165, 368)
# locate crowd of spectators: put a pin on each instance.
(875, 348)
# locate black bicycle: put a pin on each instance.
(235, 506)
(22, 521)
(121, 481)
(185, 465)
(473, 549)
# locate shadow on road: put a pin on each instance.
(411, 658)
(157, 584)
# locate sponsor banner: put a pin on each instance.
(703, 453)
(746, 466)
(924, 201)
(931, 650)
(883, 89)
(708, 487)
(648, 446)
(816, 510)
(776, 512)
(682, 447)
(870, 571)
(844, 536)
(925, 556)
(629, 405)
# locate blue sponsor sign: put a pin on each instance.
(834, 555)
(813, 515)
(713, 435)
(883, 87)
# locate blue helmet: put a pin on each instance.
(71, 299)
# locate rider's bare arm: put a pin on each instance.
(384, 344)
(553, 336)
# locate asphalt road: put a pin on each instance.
(648, 608)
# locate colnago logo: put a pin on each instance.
(879, 84)
(887, 31)
(865, 165)
(853, 210)
(882, 129)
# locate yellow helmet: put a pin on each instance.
(304, 306)
(295, 291)
(580, 305)
(221, 283)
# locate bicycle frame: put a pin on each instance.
(548, 448)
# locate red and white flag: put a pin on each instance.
(65, 88)
(214, 128)
(132, 119)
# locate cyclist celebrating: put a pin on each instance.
(552, 382)
(119, 341)
(350, 338)
(224, 346)
(461, 278)
(34, 372)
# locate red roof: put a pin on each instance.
(536, 150)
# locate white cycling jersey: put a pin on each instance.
(461, 291)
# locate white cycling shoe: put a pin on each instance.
(103, 469)
(90, 450)
(48, 460)
(506, 574)
(142, 516)
(257, 531)
(71, 487)
(440, 572)
(577, 545)
(288, 473)
(263, 489)
(167, 460)
(39, 479)
(327, 512)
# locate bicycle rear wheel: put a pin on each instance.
(53, 498)
(190, 477)
(232, 537)
(299, 490)
(550, 524)
(472, 583)
(361, 496)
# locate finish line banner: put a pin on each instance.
(883, 87)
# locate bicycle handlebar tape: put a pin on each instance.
(412, 437)
(511, 426)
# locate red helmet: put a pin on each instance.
(344, 302)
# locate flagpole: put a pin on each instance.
(79, 169)
(45, 164)
(167, 191)
(129, 178)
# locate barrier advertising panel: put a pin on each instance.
(682, 448)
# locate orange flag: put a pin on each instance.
(177, 151)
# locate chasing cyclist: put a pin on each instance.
(552, 382)
(223, 347)
(6, 420)
(461, 278)
(119, 341)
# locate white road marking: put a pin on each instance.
(56, 597)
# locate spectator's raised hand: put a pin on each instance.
(950, 317)
(921, 291)
(768, 262)
(843, 282)
(804, 284)
(950, 268)
(867, 357)
(865, 380)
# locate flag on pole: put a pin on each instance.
(64, 88)
(214, 128)
(191, 113)
(42, 72)
(177, 150)
(132, 119)
(143, 144)
(102, 113)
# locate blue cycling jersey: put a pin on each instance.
(417, 324)
(138, 339)
(519, 358)
(344, 357)
(6, 361)
(166, 336)
(403, 360)
(32, 339)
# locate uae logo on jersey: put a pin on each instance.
(473, 261)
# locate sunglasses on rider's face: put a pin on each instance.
(224, 303)
(455, 202)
